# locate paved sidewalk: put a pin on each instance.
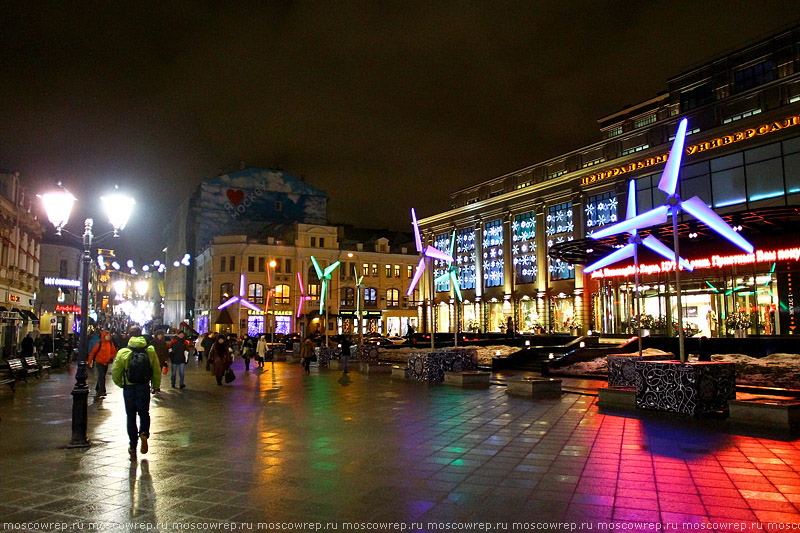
(281, 447)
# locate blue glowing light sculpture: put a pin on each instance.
(694, 206)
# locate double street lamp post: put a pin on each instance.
(58, 206)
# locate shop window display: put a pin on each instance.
(493, 254)
(523, 248)
(560, 228)
(465, 258)
(441, 243)
(601, 210)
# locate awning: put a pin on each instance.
(224, 317)
(30, 315)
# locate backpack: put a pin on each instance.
(139, 369)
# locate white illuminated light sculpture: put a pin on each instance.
(241, 299)
(426, 253)
(694, 206)
(632, 250)
(359, 286)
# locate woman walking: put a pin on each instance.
(307, 353)
(261, 352)
(220, 358)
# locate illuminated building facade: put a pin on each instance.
(532, 227)
(257, 283)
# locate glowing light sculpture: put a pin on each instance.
(694, 206)
(359, 285)
(631, 250)
(425, 254)
(241, 299)
(303, 297)
(451, 273)
(325, 277)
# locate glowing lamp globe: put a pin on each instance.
(118, 207)
(58, 206)
(142, 287)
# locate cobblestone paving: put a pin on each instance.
(281, 447)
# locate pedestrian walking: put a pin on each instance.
(162, 351)
(208, 343)
(261, 351)
(307, 353)
(178, 354)
(345, 343)
(100, 357)
(135, 368)
(27, 346)
(198, 347)
(220, 358)
(248, 351)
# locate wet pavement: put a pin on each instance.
(284, 451)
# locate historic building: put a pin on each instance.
(236, 203)
(271, 285)
(524, 237)
(59, 298)
(19, 262)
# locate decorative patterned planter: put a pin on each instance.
(621, 370)
(468, 379)
(366, 353)
(536, 388)
(689, 388)
(431, 366)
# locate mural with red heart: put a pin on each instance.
(235, 196)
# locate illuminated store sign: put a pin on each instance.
(712, 144)
(715, 261)
(68, 309)
(60, 282)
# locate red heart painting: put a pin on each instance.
(235, 196)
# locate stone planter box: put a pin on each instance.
(536, 388)
(467, 379)
(399, 371)
(366, 368)
(431, 366)
(690, 388)
(780, 414)
(334, 364)
(621, 370)
(617, 398)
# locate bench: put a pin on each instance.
(44, 362)
(775, 413)
(467, 379)
(6, 378)
(31, 366)
(535, 388)
(17, 369)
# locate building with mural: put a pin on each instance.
(19, 262)
(524, 237)
(270, 285)
(237, 203)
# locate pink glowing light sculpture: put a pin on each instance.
(303, 298)
(425, 253)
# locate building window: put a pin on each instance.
(255, 293)
(365, 270)
(392, 298)
(313, 283)
(613, 132)
(409, 271)
(688, 132)
(222, 262)
(374, 270)
(523, 247)
(388, 271)
(232, 263)
(62, 268)
(282, 294)
(493, 253)
(594, 162)
(348, 297)
(251, 264)
(560, 228)
(635, 149)
(225, 292)
(322, 242)
(794, 99)
(644, 121)
(441, 243)
(556, 174)
(370, 297)
(313, 242)
(472, 201)
(697, 97)
(496, 193)
(465, 258)
(601, 210)
(278, 206)
(397, 271)
(288, 268)
(740, 116)
(278, 264)
(523, 184)
(262, 261)
(753, 76)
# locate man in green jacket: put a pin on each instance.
(135, 367)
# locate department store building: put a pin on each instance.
(522, 239)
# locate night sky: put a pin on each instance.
(385, 105)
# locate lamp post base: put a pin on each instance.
(80, 407)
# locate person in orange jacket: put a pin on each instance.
(101, 356)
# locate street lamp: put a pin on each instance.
(58, 206)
